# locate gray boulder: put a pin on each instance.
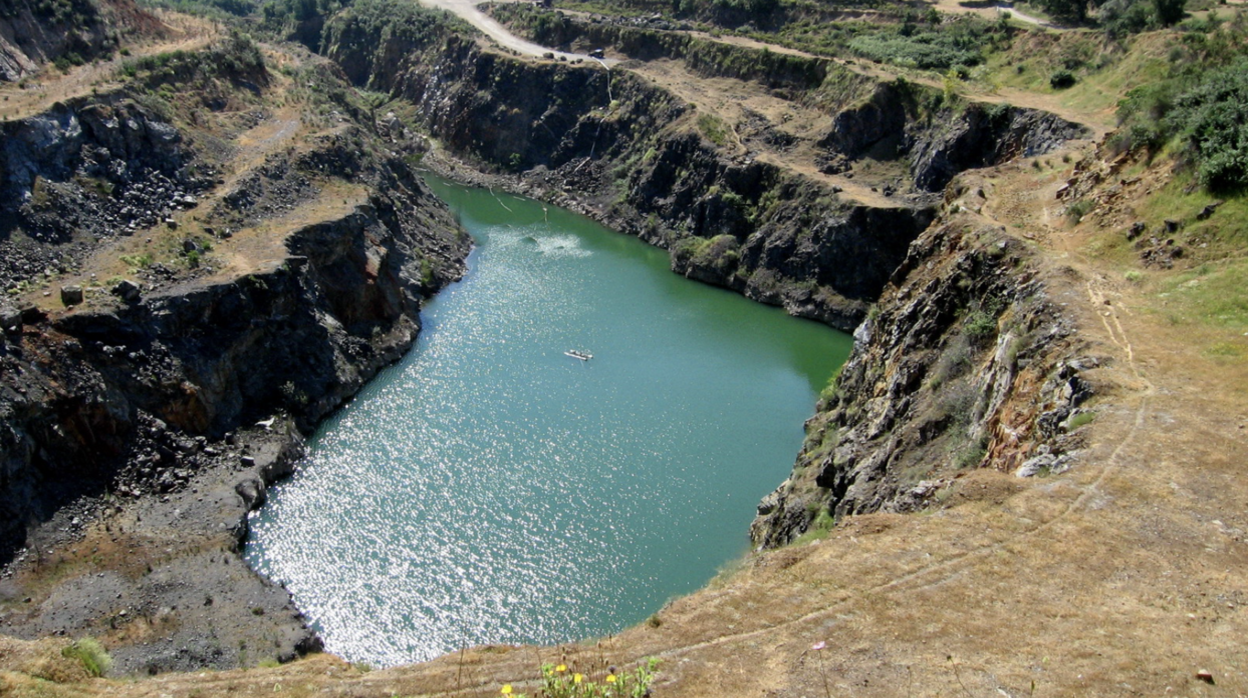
(71, 295)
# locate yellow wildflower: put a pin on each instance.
(506, 689)
(577, 678)
(610, 678)
(561, 668)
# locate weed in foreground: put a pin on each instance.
(817, 648)
(560, 681)
(92, 655)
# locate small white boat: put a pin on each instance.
(582, 355)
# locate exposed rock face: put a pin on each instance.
(205, 359)
(793, 254)
(562, 125)
(906, 121)
(967, 362)
(148, 417)
(602, 141)
(32, 34)
(72, 170)
(978, 136)
(889, 120)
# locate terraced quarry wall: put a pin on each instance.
(964, 361)
(222, 268)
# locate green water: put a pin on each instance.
(489, 488)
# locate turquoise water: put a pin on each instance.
(489, 488)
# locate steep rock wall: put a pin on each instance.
(966, 362)
(631, 154)
(616, 141)
(937, 137)
(54, 166)
(32, 34)
(208, 358)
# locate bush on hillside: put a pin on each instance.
(1212, 118)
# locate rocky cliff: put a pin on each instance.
(616, 145)
(964, 362)
(69, 32)
(142, 417)
(610, 138)
(207, 358)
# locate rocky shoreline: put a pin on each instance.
(143, 416)
(213, 360)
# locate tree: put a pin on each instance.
(1073, 11)
(1169, 12)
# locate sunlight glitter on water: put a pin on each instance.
(489, 488)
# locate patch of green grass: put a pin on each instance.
(715, 130)
(1080, 420)
(970, 455)
(819, 528)
(1103, 76)
(1212, 294)
(137, 261)
(92, 655)
(1225, 351)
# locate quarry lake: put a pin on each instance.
(490, 488)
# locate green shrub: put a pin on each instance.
(1061, 79)
(714, 129)
(1212, 118)
(912, 52)
(92, 655)
(1078, 210)
(980, 327)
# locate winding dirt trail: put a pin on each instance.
(469, 12)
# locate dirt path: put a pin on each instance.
(991, 11)
(468, 11)
(1099, 122)
(251, 249)
(738, 104)
(37, 94)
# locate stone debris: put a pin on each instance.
(71, 295)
